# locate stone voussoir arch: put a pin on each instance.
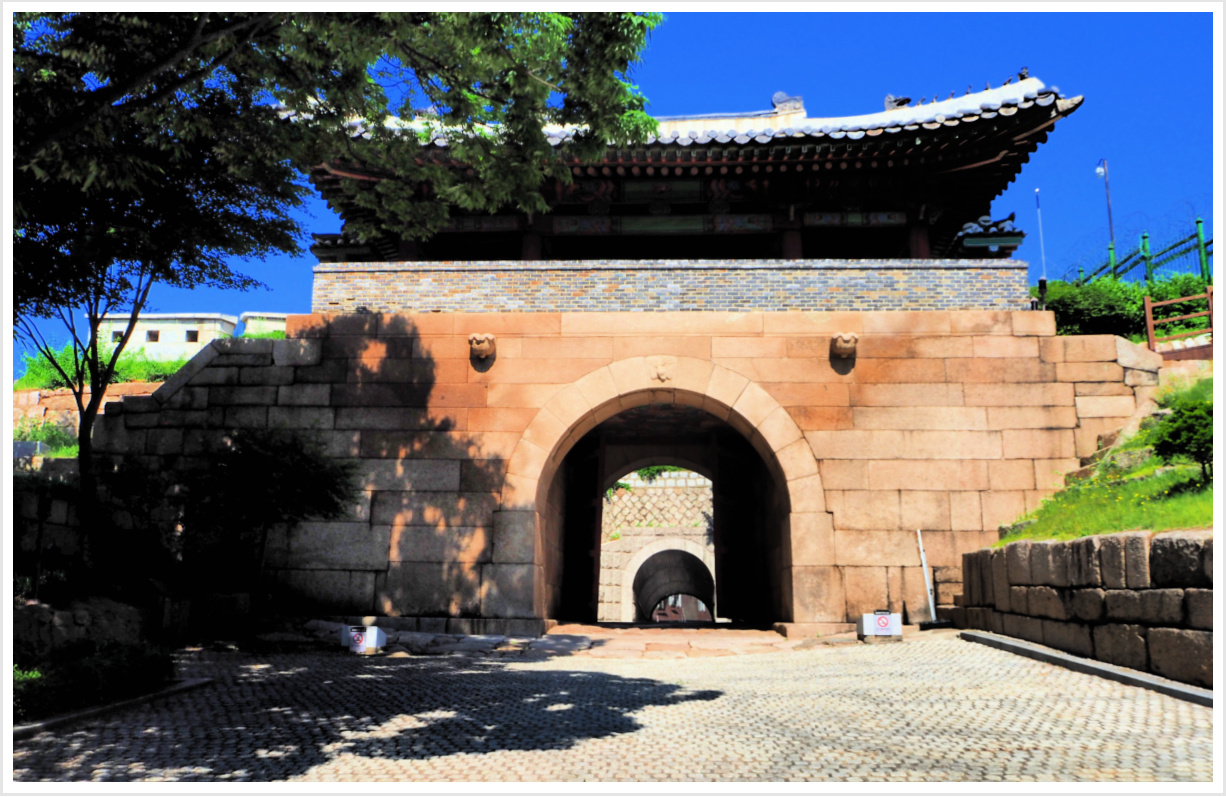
(649, 550)
(610, 389)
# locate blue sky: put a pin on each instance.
(1147, 79)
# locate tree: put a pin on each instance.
(116, 245)
(1187, 431)
(89, 85)
(151, 146)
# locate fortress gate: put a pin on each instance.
(837, 339)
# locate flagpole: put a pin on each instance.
(1042, 252)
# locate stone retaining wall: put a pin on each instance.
(708, 285)
(59, 407)
(39, 629)
(61, 526)
(1132, 599)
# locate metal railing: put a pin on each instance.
(1151, 322)
(1190, 255)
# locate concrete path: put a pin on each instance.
(933, 708)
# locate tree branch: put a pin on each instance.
(105, 101)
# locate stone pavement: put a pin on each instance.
(596, 641)
(933, 708)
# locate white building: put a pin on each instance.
(262, 323)
(169, 336)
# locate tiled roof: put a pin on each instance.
(790, 122)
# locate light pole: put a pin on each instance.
(1101, 171)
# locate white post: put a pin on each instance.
(932, 604)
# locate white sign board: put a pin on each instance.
(364, 638)
(885, 624)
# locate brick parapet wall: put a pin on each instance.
(951, 422)
(1133, 599)
(699, 285)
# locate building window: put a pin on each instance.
(193, 336)
(151, 336)
(116, 337)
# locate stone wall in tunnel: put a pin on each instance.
(953, 422)
(674, 511)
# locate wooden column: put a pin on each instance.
(919, 241)
(791, 245)
(531, 248)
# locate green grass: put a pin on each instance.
(1175, 499)
(275, 335)
(1179, 391)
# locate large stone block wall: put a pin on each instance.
(951, 422)
(629, 285)
(39, 629)
(56, 536)
(1132, 599)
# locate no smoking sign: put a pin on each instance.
(881, 624)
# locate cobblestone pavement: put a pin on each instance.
(933, 708)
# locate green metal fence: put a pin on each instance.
(1191, 255)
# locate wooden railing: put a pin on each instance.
(1150, 323)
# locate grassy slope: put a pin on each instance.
(1149, 495)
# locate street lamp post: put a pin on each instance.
(1102, 172)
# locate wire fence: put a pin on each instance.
(1190, 255)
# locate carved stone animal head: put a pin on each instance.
(482, 345)
(843, 344)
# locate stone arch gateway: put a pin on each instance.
(952, 422)
(836, 330)
(804, 524)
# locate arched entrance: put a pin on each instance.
(670, 572)
(773, 533)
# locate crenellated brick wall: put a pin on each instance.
(638, 285)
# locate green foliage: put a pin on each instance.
(44, 432)
(161, 139)
(1116, 307)
(1187, 432)
(24, 681)
(608, 494)
(40, 374)
(652, 472)
(132, 366)
(1102, 307)
(85, 674)
(253, 481)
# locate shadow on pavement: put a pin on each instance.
(277, 717)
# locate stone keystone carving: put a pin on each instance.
(482, 345)
(662, 367)
(844, 344)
